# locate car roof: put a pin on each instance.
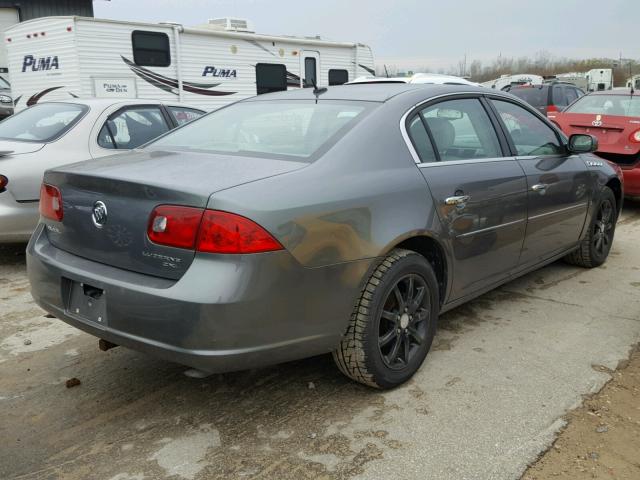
(623, 92)
(107, 102)
(376, 92)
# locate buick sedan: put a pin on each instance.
(300, 223)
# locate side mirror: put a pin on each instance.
(581, 143)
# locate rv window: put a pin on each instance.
(270, 77)
(310, 78)
(338, 77)
(151, 49)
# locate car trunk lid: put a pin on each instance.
(130, 186)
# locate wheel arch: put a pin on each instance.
(434, 251)
(616, 186)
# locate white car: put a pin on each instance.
(427, 78)
(51, 134)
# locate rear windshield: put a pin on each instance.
(617, 105)
(536, 96)
(277, 129)
(41, 123)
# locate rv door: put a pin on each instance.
(310, 68)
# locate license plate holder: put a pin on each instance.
(87, 302)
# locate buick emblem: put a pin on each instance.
(99, 214)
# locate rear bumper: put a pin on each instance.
(226, 313)
(17, 220)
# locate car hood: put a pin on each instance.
(8, 147)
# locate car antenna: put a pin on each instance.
(318, 91)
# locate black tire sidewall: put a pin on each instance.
(605, 194)
(384, 376)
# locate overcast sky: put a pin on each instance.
(417, 33)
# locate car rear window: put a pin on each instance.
(616, 105)
(536, 96)
(42, 123)
(277, 129)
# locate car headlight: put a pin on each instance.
(5, 99)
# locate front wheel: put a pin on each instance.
(596, 245)
(393, 322)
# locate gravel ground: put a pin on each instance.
(602, 440)
(503, 373)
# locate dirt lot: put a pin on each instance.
(504, 371)
(602, 439)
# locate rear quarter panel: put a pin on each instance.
(358, 201)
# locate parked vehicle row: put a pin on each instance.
(613, 117)
(320, 220)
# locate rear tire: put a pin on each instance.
(393, 323)
(594, 248)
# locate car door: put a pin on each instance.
(557, 181)
(479, 193)
(130, 127)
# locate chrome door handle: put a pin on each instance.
(540, 187)
(458, 200)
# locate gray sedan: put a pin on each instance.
(295, 224)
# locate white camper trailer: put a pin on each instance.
(506, 81)
(634, 82)
(599, 79)
(209, 66)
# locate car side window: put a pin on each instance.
(530, 135)
(132, 127)
(461, 130)
(184, 115)
(421, 140)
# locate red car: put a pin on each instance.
(612, 116)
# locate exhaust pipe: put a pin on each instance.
(105, 345)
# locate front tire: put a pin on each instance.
(393, 323)
(596, 245)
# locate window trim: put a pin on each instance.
(474, 94)
(111, 116)
(151, 33)
(337, 70)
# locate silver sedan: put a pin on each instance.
(52, 134)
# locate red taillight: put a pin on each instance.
(4, 181)
(635, 137)
(51, 202)
(224, 232)
(552, 108)
(175, 226)
(210, 231)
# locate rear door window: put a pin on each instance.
(462, 130)
(538, 96)
(132, 127)
(184, 115)
(421, 141)
(530, 135)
